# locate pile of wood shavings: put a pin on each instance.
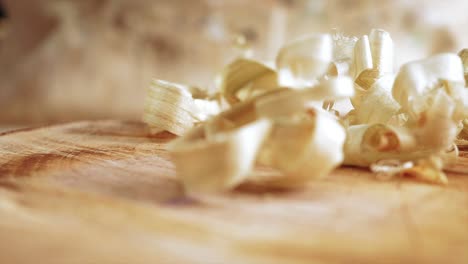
(283, 116)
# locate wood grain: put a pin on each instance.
(106, 192)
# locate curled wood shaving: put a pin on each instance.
(437, 130)
(373, 61)
(416, 80)
(379, 93)
(381, 46)
(362, 56)
(464, 56)
(304, 148)
(211, 162)
(244, 78)
(402, 124)
(171, 107)
(302, 62)
(367, 144)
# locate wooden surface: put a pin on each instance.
(105, 192)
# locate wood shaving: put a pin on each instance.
(246, 78)
(403, 123)
(172, 107)
(301, 62)
(464, 56)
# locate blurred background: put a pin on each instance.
(64, 60)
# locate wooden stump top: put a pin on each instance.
(107, 192)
